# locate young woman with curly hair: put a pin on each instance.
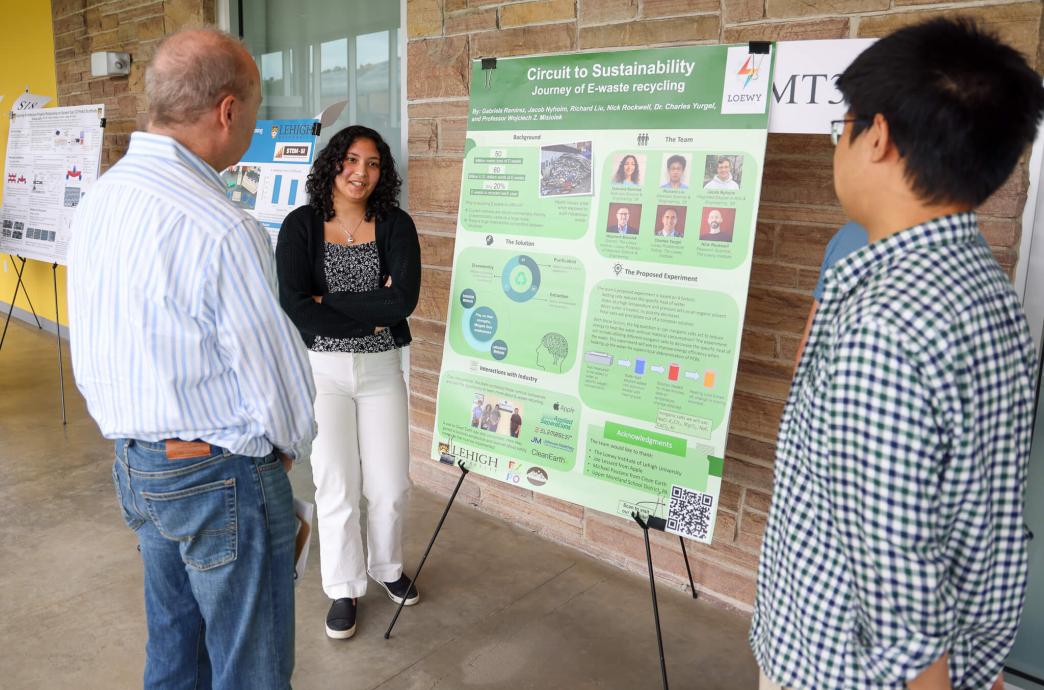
(627, 173)
(349, 276)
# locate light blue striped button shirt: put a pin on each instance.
(176, 330)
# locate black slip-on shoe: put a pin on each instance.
(401, 588)
(340, 619)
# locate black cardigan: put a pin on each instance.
(300, 253)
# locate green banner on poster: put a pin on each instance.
(603, 254)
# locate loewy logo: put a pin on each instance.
(745, 87)
(749, 69)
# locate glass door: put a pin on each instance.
(1025, 666)
(314, 53)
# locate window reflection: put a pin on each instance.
(271, 67)
(372, 80)
(313, 53)
(277, 82)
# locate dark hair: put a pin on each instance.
(961, 106)
(676, 159)
(330, 162)
(620, 176)
(724, 159)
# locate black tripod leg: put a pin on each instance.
(14, 298)
(685, 555)
(58, 339)
(7, 322)
(652, 588)
(449, 504)
(26, 293)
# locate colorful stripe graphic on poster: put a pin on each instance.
(53, 157)
(270, 181)
(603, 251)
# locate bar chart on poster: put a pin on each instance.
(270, 180)
(603, 252)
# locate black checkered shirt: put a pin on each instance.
(896, 531)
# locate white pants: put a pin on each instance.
(363, 448)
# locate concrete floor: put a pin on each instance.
(501, 608)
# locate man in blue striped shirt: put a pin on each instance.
(187, 361)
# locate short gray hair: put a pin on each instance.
(191, 72)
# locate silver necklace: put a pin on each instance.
(350, 236)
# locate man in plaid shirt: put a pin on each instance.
(895, 551)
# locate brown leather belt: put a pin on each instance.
(182, 450)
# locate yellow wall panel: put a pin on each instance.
(27, 59)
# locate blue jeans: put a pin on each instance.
(216, 535)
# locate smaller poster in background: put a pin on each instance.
(53, 157)
(270, 181)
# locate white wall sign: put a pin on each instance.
(804, 98)
(29, 101)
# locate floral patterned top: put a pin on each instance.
(353, 268)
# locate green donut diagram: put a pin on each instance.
(498, 295)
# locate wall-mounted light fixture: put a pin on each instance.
(107, 64)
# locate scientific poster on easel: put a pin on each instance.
(270, 181)
(53, 157)
(603, 254)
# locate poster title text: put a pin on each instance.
(660, 68)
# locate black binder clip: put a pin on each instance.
(488, 65)
(759, 47)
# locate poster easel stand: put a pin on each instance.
(661, 524)
(757, 52)
(449, 504)
(652, 588)
(29, 105)
(57, 323)
(688, 568)
(645, 524)
(19, 285)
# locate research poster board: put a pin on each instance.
(603, 252)
(53, 157)
(270, 181)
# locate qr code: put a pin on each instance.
(690, 513)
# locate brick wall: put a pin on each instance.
(82, 27)
(799, 214)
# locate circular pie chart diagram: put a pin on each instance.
(521, 278)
